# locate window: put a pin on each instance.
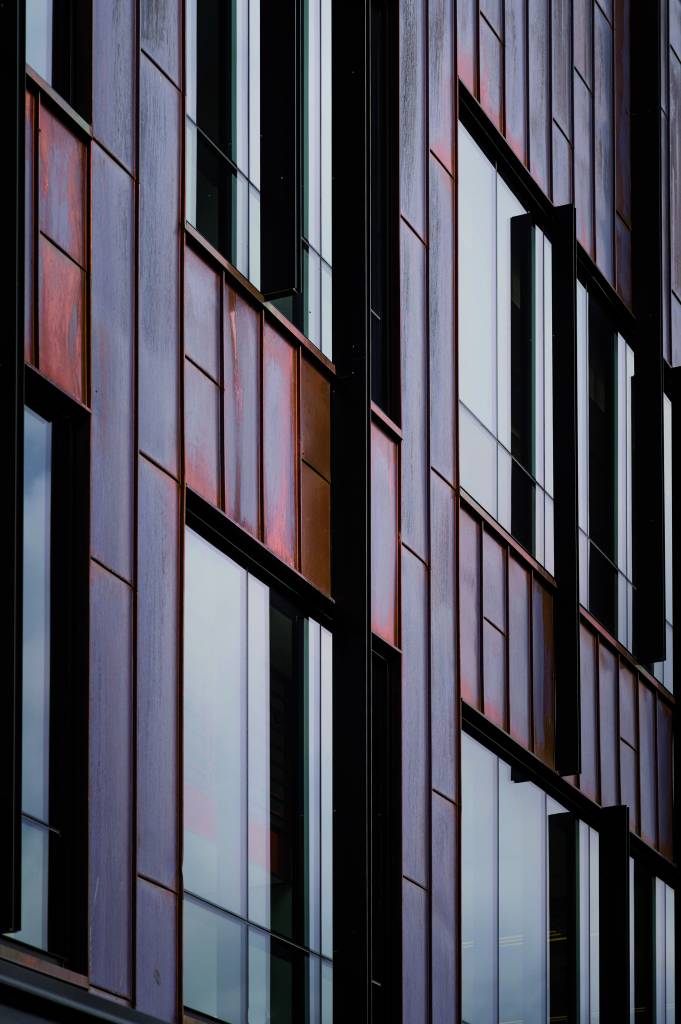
(257, 799)
(605, 369)
(651, 947)
(530, 900)
(57, 47)
(505, 355)
(664, 670)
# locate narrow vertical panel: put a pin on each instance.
(609, 745)
(604, 143)
(202, 307)
(441, 314)
(539, 88)
(543, 678)
(583, 37)
(493, 10)
(159, 336)
(110, 783)
(494, 674)
(157, 674)
(415, 731)
(520, 690)
(242, 396)
(413, 121)
(29, 226)
(470, 609)
(623, 270)
(443, 917)
(61, 186)
(613, 898)
(515, 66)
(441, 71)
(675, 168)
(629, 782)
(623, 110)
(157, 946)
(112, 327)
(415, 954)
(665, 236)
(493, 581)
(384, 536)
(113, 84)
(628, 705)
(583, 183)
(491, 74)
(561, 65)
(160, 34)
(280, 446)
(647, 764)
(414, 381)
(467, 43)
(665, 781)
(443, 681)
(315, 528)
(588, 779)
(202, 433)
(562, 168)
(315, 418)
(61, 319)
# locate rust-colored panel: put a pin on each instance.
(413, 120)
(629, 782)
(588, 779)
(113, 351)
(61, 184)
(156, 949)
(444, 692)
(280, 446)
(491, 73)
(562, 168)
(29, 228)
(444, 930)
(609, 740)
(494, 674)
(242, 354)
(315, 528)
(441, 313)
(520, 687)
(384, 536)
(415, 723)
(623, 260)
(61, 337)
(202, 433)
(604, 144)
(441, 71)
(628, 706)
(470, 609)
(202, 313)
(414, 383)
(583, 36)
(623, 110)
(113, 85)
(516, 76)
(675, 168)
(315, 418)
(561, 66)
(583, 182)
(467, 43)
(647, 763)
(543, 674)
(493, 580)
(665, 778)
(539, 77)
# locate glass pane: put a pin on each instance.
(603, 588)
(548, 367)
(213, 62)
(660, 951)
(479, 876)
(36, 614)
(254, 236)
(39, 37)
(254, 93)
(283, 982)
(524, 496)
(214, 184)
(582, 408)
(35, 842)
(670, 976)
(507, 296)
(327, 993)
(240, 213)
(327, 791)
(259, 862)
(327, 170)
(312, 124)
(312, 783)
(327, 311)
(602, 436)
(504, 487)
(478, 460)
(537, 376)
(594, 929)
(622, 447)
(563, 913)
(584, 925)
(312, 295)
(214, 963)
(240, 76)
(668, 479)
(215, 665)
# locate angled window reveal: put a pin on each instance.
(58, 48)
(664, 670)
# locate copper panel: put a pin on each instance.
(415, 720)
(493, 581)
(623, 110)
(441, 82)
(583, 36)
(623, 261)
(470, 609)
(414, 385)
(467, 43)
(415, 960)
(561, 66)
(491, 72)
(441, 312)
(515, 91)
(647, 764)
(520, 687)
(675, 168)
(444, 933)
(589, 777)
(315, 528)
(665, 778)
(583, 182)
(202, 313)
(315, 418)
(242, 397)
(494, 674)
(384, 536)
(61, 337)
(562, 168)
(604, 144)
(156, 951)
(539, 82)
(202, 433)
(444, 691)
(61, 172)
(113, 85)
(609, 740)
(280, 446)
(628, 705)
(413, 123)
(629, 782)
(543, 675)
(29, 228)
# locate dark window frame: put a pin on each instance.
(71, 56)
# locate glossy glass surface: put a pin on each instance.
(652, 946)
(214, 960)
(39, 15)
(665, 670)
(35, 857)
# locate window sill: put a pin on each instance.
(35, 961)
(383, 420)
(78, 123)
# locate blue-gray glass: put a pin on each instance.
(39, 15)
(35, 855)
(36, 616)
(479, 883)
(214, 962)
(563, 878)
(284, 983)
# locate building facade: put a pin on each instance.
(342, 414)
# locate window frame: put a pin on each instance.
(72, 43)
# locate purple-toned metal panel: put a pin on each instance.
(61, 186)
(415, 724)
(156, 980)
(202, 453)
(444, 689)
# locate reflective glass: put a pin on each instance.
(582, 412)
(326, 701)
(35, 848)
(39, 14)
(284, 983)
(478, 460)
(214, 962)
(563, 875)
(507, 296)
(670, 945)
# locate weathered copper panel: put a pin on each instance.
(443, 676)
(491, 74)
(280, 446)
(202, 313)
(562, 168)
(242, 444)
(516, 76)
(629, 782)
(609, 740)
(441, 313)
(413, 122)
(604, 143)
(520, 686)
(665, 778)
(113, 84)
(470, 609)
(414, 381)
(112, 308)
(443, 914)
(158, 633)
(61, 183)
(160, 34)
(61, 330)
(583, 37)
(441, 72)
(415, 722)
(583, 183)
(589, 777)
(543, 675)
(493, 581)
(202, 433)
(539, 78)
(628, 706)
(156, 947)
(675, 169)
(623, 260)
(29, 230)
(647, 763)
(110, 783)
(384, 536)
(623, 110)
(315, 418)
(561, 65)
(494, 674)
(415, 953)
(315, 528)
